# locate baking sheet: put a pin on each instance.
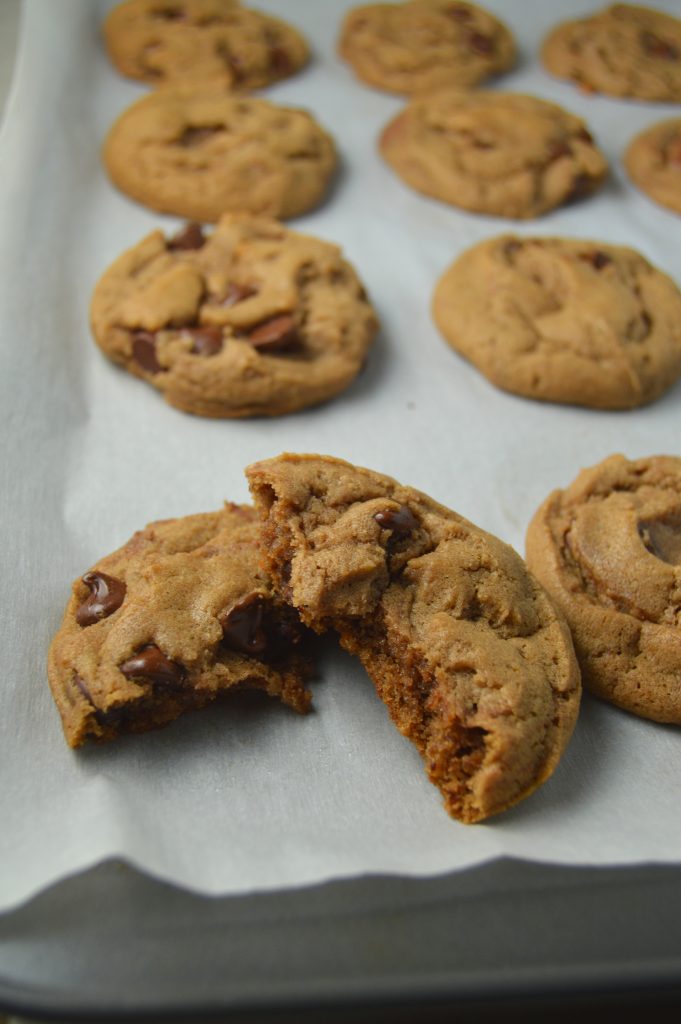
(247, 796)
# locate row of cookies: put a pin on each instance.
(409, 47)
(472, 658)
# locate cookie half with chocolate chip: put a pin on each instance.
(198, 152)
(423, 45)
(563, 320)
(608, 550)
(163, 42)
(174, 619)
(624, 51)
(466, 649)
(250, 319)
(497, 153)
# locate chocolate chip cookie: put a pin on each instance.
(166, 41)
(491, 152)
(465, 648)
(563, 320)
(653, 161)
(199, 153)
(174, 619)
(421, 45)
(249, 320)
(608, 550)
(624, 51)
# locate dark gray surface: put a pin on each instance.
(112, 941)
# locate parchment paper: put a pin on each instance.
(249, 796)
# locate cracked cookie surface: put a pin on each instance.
(653, 162)
(249, 320)
(422, 45)
(175, 618)
(624, 51)
(474, 663)
(563, 320)
(608, 550)
(168, 41)
(490, 152)
(199, 153)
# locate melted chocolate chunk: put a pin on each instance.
(581, 187)
(191, 236)
(144, 351)
(458, 13)
(276, 335)
(106, 596)
(662, 538)
(80, 684)
(195, 136)
(206, 341)
(558, 149)
(280, 62)
(655, 46)
(242, 626)
(169, 14)
(151, 664)
(401, 521)
(481, 44)
(585, 136)
(597, 259)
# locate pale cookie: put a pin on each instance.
(172, 620)
(563, 320)
(653, 161)
(465, 648)
(199, 153)
(166, 41)
(624, 51)
(492, 152)
(421, 45)
(608, 550)
(250, 320)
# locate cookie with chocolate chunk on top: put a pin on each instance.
(198, 152)
(250, 319)
(653, 162)
(422, 45)
(473, 661)
(608, 550)
(164, 42)
(497, 153)
(174, 619)
(563, 320)
(624, 51)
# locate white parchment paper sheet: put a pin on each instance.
(248, 795)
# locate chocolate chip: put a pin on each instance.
(80, 684)
(191, 236)
(169, 13)
(582, 186)
(511, 247)
(192, 136)
(206, 341)
(401, 521)
(280, 62)
(150, 663)
(558, 149)
(481, 44)
(585, 136)
(144, 351)
(106, 595)
(458, 13)
(655, 46)
(237, 293)
(662, 538)
(242, 626)
(276, 335)
(597, 259)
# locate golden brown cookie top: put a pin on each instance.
(624, 50)
(169, 41)
(200, 152)
(653, 161)
(249, 319)
(176, 616)
(563, 320)
(491, 152)
(464, 646)
(608, 549)
(422, 45)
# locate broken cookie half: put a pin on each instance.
(473, 661)
(172, 620)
